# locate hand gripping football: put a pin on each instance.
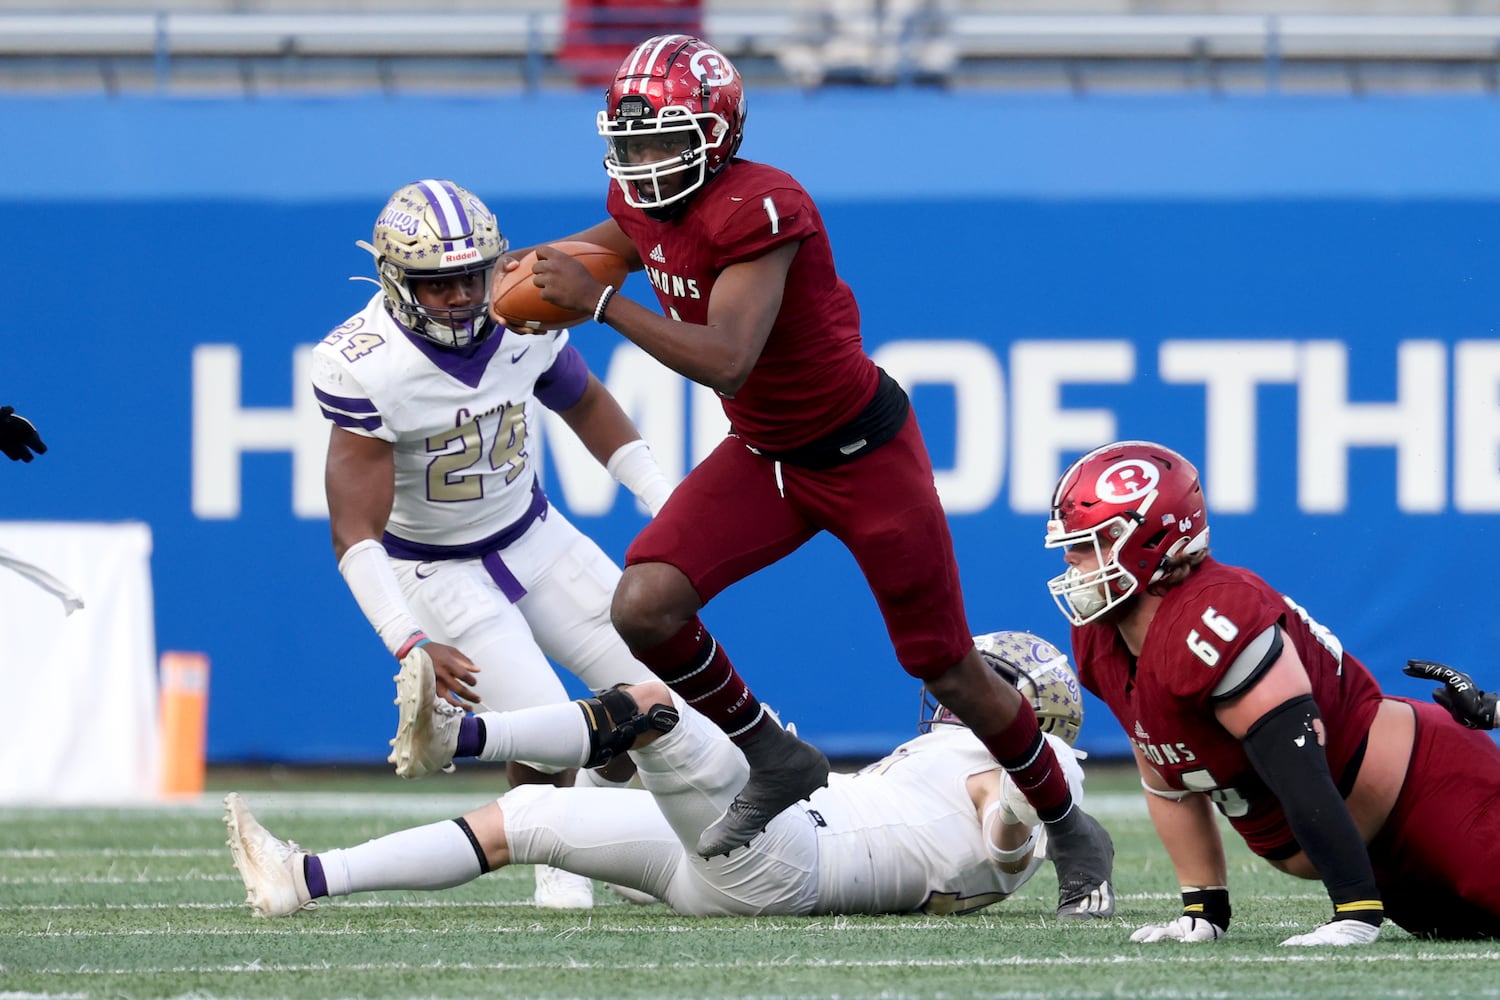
(517, 301)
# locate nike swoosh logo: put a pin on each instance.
(431, 568)
(517, 357)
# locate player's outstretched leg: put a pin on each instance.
(783, 769)
(271, 869)
(427, 726)
(1084, 856)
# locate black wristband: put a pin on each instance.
(1370, 911)
(1208, 904)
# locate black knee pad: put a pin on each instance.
(615, 723)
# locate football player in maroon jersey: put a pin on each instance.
(1234, 696)
(821, 440)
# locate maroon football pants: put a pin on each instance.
(1437, 859)
(738, 512)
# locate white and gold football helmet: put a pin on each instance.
(1038, 669)
(435, 229)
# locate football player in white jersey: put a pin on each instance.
(440, 525)
(936, 826)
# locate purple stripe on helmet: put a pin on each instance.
(452, 220)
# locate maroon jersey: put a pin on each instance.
(1164, 701)
(813, 375)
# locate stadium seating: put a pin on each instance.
(216, 45)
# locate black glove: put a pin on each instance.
(1459, 695)
(18, 438)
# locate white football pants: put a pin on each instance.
(564, 615)
(648, 839)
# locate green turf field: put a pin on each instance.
(143, 902)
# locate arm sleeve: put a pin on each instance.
(1286, 748)
(367, 571)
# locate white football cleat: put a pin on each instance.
(562, 890)
(275, 885)
(427, 727)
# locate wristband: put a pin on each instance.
(604, 297)
(1370, 911)
(412, 642)
(1209, 903)
(634, 467)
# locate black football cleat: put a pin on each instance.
(1084, 856)
(783, 769)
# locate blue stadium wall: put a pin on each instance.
(1300, 293)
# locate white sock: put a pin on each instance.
(436, 856)
(551, 735)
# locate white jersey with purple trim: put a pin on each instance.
(461, 425)
(902, 834)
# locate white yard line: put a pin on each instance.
(1170, 957)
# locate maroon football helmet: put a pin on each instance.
(1138, 505)
(675, 112)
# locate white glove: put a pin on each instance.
(1184, 928)
(1338, 933)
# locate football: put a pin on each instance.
(517, 301)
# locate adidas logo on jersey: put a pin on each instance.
(657, 255)
(1140, 732)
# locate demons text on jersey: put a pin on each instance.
(1163, 754)
(674, 285)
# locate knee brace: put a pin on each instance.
(615, 723)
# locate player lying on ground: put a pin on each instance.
(936, 826)
(1233, 696)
